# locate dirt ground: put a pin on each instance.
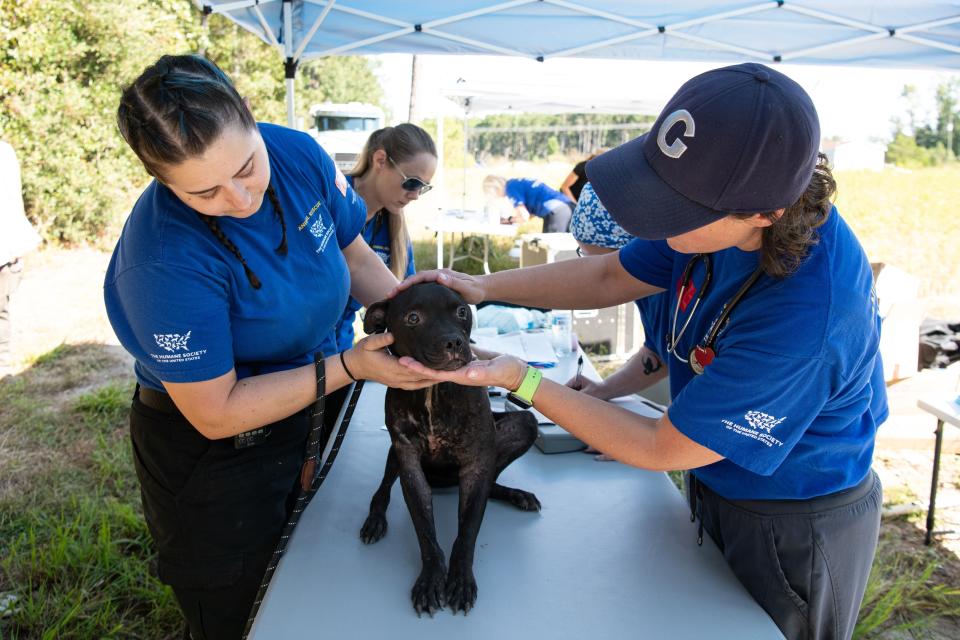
(60, 301)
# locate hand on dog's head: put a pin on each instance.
(429, 322)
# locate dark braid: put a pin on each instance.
(278, 211)
(211, 222)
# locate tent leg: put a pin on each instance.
(466, 154)
(290, 72)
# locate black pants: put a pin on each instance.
(215, 512)
(806, 562)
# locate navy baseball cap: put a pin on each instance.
(739, 139)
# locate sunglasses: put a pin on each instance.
(411, 184)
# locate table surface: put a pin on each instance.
(612, 554)
(946, 410)
(469, 222)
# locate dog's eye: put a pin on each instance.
(412, 318)
(462, 313)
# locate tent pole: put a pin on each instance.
(291, 110)
(289, 63)
(466, 152)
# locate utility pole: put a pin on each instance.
(413, 115)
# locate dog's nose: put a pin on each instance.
(454, 343)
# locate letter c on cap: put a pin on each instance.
(676, 149)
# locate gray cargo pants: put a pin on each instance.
(806, 562)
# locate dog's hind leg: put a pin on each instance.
(515, 432)
(375, 526)
(475, 482)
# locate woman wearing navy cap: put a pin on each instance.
(409, 151)
(225, 286)
(771, 339)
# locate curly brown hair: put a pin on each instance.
(788, 239)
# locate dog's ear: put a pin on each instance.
(375, 320)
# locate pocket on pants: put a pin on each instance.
(792, 585)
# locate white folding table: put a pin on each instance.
(613, 554)
(454, 221)
(946, 412)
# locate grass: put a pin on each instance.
(76, 553)
(909, 219)
(907, 594)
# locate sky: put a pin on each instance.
(853, 103)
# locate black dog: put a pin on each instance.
(443, 436)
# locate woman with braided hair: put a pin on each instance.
(394, 169)
(230, 275)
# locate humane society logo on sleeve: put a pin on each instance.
(761, 426)
(176, 347)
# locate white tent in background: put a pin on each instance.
(481, 99)
(886, 33)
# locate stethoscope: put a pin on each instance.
(703, 354)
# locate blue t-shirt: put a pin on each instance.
(180, 302)
(795, 393)
(376, 232)
(534, 195)
(650, 309)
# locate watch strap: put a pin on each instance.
(529, 385)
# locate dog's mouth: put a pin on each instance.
(445, 360)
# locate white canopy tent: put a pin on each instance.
(890, 33)
(480, 99)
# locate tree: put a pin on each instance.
(928, 144)
(62, 67)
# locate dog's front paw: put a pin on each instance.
(461, 589)
(428, 591)
(374, 528)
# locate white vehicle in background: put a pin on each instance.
(343, 128)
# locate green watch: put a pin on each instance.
(523, 396)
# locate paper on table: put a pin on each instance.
(532, 346)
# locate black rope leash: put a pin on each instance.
(310, 477)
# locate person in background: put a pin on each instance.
(597, 233)
(772, 340)
(17, 238)
(406, 151)
(532, 197)
(577, 178)
(225, 286)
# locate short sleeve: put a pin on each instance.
(347, 208)
(752, 407)
(411, 267)
(515, 192)
(174, 321)
(650, 261)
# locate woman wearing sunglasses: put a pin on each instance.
(394, 169)
(227, 281)
(771, 340)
